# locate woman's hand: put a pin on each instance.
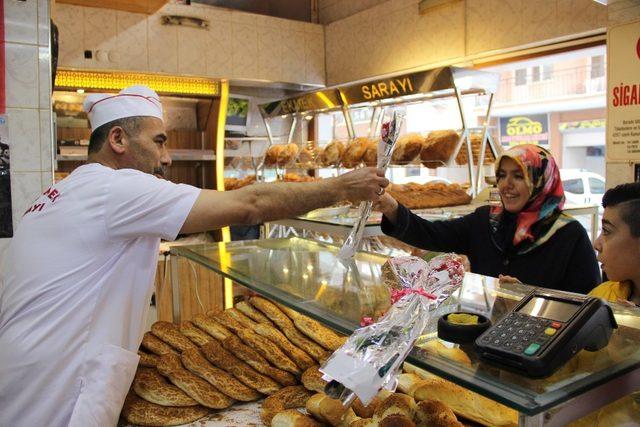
(503, 278)
(388, 206)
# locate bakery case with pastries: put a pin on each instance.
(259, 361)
(436, 161)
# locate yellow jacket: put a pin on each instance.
(612, 291)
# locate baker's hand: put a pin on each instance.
(363, 184)
(508, 279)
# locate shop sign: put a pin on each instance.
(583, 124)
(524, 129)
(623, 100)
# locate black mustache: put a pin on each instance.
(161, 171)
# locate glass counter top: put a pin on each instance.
(307, 276)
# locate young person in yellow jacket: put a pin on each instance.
(618, 245)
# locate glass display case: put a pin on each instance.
(307, 276)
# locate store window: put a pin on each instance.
(573, 186)
(535, 74)
(521, 77)
(596, 185)
(597, 66)
(547, 71)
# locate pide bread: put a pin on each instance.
(169, 333)
(285, 398)
(211, 326)
(198, 336)
(293, 418)
(153, 387)
(195, 362)
(156, 345)
(147, 359)
(140, 412)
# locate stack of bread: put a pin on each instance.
(235, 183)
(429, 195)
(281, 155)
(476, 145)
(387, 409)
(238, 355)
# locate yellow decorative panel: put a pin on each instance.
(115, 81)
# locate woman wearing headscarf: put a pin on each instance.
(525, 238)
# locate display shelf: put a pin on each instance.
(176, 155)
(307, 276)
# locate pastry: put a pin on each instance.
(286, 325)
(332, 154)
(312, 379)
(272, 154)
(352, 156)
(462, 401)
(255, 315)
(300, 358)
(436, 347)
(195, 387)
(438, 148)
(226, 383)
(328, 410)
(287, 154)
(314, 329)
(285, 398)
(293, 418)
(476, 144)
(153, 387)
(196, 335)
(220, 357)
(435, 413)
(147, 359)
(211, 327)
(169, 333)
(407, 148)
(430, 195)
(252, 358)
(396, 403)
(306, 155)
(140, 412)
(269, 351)
(155, 344)
(370, 157)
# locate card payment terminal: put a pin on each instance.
(545, 330)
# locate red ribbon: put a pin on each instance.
(396, 295)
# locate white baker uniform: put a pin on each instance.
(76, 294)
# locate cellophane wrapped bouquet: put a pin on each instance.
(372, 356)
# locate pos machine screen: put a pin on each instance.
(560, 311)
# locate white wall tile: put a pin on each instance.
(100, 37)
(163, 45)
(24, 139)
(192, 43)
(46, 180)
(44, 23)
(21, 75)
(218, 49)
(131, 41)
(244, 50)
(69, 20)
(269, 54)
(25, 189)
(46, 140)
(44, 77)
(20, 21)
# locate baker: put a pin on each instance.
(81, 265)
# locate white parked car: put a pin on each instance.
(582, 187)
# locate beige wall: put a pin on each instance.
(28, 83)
(333, 10)
(237, 45)
(393, 36)
(619, 12)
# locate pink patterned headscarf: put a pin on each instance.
(546, 197)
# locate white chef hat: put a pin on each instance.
(138, 100)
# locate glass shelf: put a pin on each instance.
(307, 276)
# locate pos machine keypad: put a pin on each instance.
(520, 333)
